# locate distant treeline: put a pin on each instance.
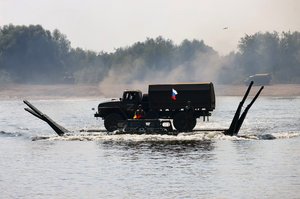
(31, 54)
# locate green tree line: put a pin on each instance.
(31, 54)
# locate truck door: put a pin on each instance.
(131, 101)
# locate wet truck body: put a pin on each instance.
(182, 103)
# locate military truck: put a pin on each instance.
(182, 103)
(259, 79)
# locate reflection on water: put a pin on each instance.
(9, 134)
(166, 147)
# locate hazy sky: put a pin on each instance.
(108, 24)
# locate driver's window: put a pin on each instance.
(128, 97)
(133, 96)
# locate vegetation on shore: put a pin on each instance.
(31, 54)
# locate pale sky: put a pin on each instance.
(104, 25)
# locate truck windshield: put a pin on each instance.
(131, 97)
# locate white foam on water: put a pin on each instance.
(195, 136)
(286, 135)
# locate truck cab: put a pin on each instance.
(115, 111)
(130, 101)
(132, 96)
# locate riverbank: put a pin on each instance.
(270, 90)
(18, 91)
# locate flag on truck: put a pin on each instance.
(174, 93)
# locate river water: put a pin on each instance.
(262, 162)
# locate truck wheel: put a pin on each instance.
(182, 122)
(192, 123)
(111, 121)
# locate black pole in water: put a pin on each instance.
(243, 116)
(232, 129)
(37, 113)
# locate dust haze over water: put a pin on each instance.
(204, 68)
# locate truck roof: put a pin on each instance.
(126, 90)
(182, 86)
(179, 83)
(260, 74)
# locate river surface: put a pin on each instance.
(262, 162)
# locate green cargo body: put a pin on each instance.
(198, 95)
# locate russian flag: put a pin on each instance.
(174, 93)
